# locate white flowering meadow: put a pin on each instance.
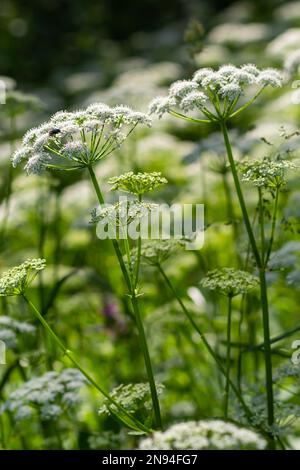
(149, 227)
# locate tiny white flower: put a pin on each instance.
(181, 88)
(270, 77)
(195, 99)
(230, 91)
(161, 105)
(201, 74)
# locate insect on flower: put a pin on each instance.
(54, 131)
(79, 139)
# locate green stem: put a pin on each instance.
(96, 185)
(266, 327)
(125, 416)
(274, 340)
(205, 342)
(263, 285)
(139, 250)
(129, 262)
(267, 346)
(246, 104)
(228, 356)
(274, 219)
(262, 224)
(240, 194)
(114, 242)
(147, 360)
(131, 287)
(187, 118)
(230, 213)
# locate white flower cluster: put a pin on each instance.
(16, 280)
(137, 183)
(287, 370)
(230, 281)
(10, 330)
(225, 84)
(204, 435)
(122, 213)
(50, 395)
(157, 251)
(132, 397)
(74, 140)
(266, 173)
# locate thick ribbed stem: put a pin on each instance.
(263, 285)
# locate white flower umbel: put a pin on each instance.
(11, 330)
(137, 183)
(16, 280)
(215, 93)
(230, 281)
(75, 140)
(122, 213)
(204, 435)
(266, 173)
(133, 397)
(50, 396)
(155, 252)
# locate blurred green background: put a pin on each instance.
(39, 39)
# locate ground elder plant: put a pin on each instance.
(11, 331)
(48, 396)
(230, 283)
(216, 95)
(78, 140)
(155, 254)
(16, 283)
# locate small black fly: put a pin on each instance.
(54, 131)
